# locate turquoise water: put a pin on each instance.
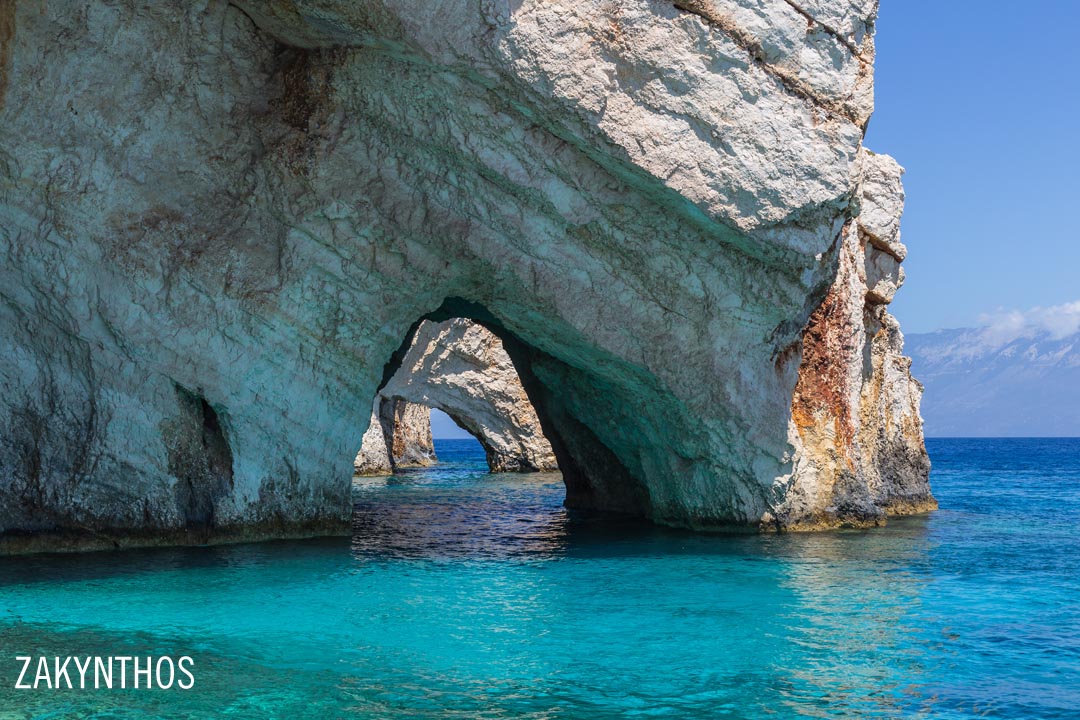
(466, 595)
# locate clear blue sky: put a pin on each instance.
(980, 101)
(443, 428)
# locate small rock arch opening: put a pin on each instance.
(499, 458)
(461, 368)
(599, 465)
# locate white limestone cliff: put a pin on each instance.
(220, 220)
(374, 456)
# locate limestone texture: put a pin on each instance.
(398, 437)
(855, 414)
(461, 368)
(221, 222)
(374, 456)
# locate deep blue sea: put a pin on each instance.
(467, 595)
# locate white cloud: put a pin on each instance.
(1057, 321)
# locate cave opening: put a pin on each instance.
(547, 410)
(459, 369)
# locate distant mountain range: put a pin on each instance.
(983, 383)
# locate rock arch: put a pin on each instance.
(461, 368)
(670, 228)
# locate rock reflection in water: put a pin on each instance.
(491, 516)
(855, 596)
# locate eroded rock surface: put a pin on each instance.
(399, 436)
(855, 415)
(219, 220)
(374, 456)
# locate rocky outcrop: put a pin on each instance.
(374, 456)
(856, 424)
(409, 439)
(221, 220)
(461, 368)
(398, 437)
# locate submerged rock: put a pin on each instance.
(221, 220)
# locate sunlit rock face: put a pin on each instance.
(855, 414)
(398, 437)
(374, 456)
(219, 221)
(461, 368)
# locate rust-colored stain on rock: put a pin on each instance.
(7, 40)
(820, 388)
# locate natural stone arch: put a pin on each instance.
(461, 368)
(499, 458)
(667, 228)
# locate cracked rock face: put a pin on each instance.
(219, 221)
(855, 415)
(399, 436)
(461, 368)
